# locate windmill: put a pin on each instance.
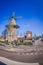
(13, 16)
(12, 27)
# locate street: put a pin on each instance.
(22, 58)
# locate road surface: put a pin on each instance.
(22, 58)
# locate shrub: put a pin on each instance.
(2, 41)
(27, 43)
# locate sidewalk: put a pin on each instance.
(10, 62)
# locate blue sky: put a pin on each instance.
(30, 10)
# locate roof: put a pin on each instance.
(28, 32)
